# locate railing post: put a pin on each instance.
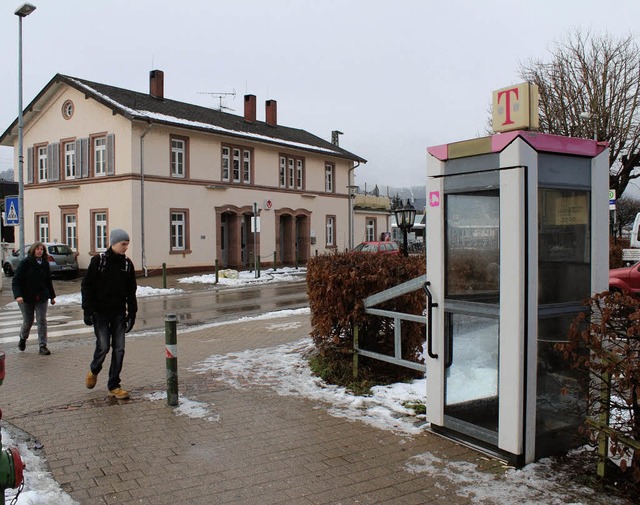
(603, 436)
(354, 369)
(171, 354)
(164, 275)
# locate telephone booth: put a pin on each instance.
(517, 239)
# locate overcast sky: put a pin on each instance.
(395, 76)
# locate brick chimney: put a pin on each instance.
(156, 84)
(272, 112)
(250, 108)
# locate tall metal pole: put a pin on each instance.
(20, 146)
(22, 11)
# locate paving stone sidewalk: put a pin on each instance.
(256, 447)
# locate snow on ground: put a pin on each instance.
(39, 488)
(285, 274)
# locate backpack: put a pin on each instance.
(103, 263)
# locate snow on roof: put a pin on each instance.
(195, 124)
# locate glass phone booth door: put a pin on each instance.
(472, 288)
(477, 276)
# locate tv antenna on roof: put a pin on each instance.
(220, 97)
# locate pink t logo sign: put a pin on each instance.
(507, 95)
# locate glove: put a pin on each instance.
(129, 322)
(88, 318)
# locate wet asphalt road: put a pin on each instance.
(195, 304)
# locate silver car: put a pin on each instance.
(63, 261)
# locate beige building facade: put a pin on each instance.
(183, 180)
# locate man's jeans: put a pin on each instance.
(40, 310)
(109, 330)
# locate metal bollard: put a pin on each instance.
(11, 465)
(164, 275)
(171, 353)
(217, 271)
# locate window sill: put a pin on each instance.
(69, 186)
(308, 195)
(213, 186)
(181, 251)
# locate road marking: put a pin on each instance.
(50, 334)
(18, 317)
(16, 327)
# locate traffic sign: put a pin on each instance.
(11, 211)
(612, 199)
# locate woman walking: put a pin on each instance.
(32, 289)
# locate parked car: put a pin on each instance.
(63, 261)
(625, 279)
(386, 247)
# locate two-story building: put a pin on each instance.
(182, 179)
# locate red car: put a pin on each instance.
(378, 247)
(626, 279)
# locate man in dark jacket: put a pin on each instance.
(109, 304)
(32, 289)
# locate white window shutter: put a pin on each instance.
(29, 165)
(53, 162)
(111, 154)
(83, 157)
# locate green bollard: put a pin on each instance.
(250, 261)
(164, 275)
(216, 271)
(171, 353)
(274, 261)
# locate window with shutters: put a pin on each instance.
(42, 227)
(291, 174)
(42, 163)
(99, 230)
(100, 156)
(69, 152)
(237, 164)
(179, 233)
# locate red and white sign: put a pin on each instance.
(268, 204)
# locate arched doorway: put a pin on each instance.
(234, 237)
(293, 236)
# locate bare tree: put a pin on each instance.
(626, 210)
(591, 88)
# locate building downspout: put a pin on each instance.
(351, 206)
(142, 246)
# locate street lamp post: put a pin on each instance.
(405, 217)
(22, 12)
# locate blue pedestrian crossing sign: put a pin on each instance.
(11, 211)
